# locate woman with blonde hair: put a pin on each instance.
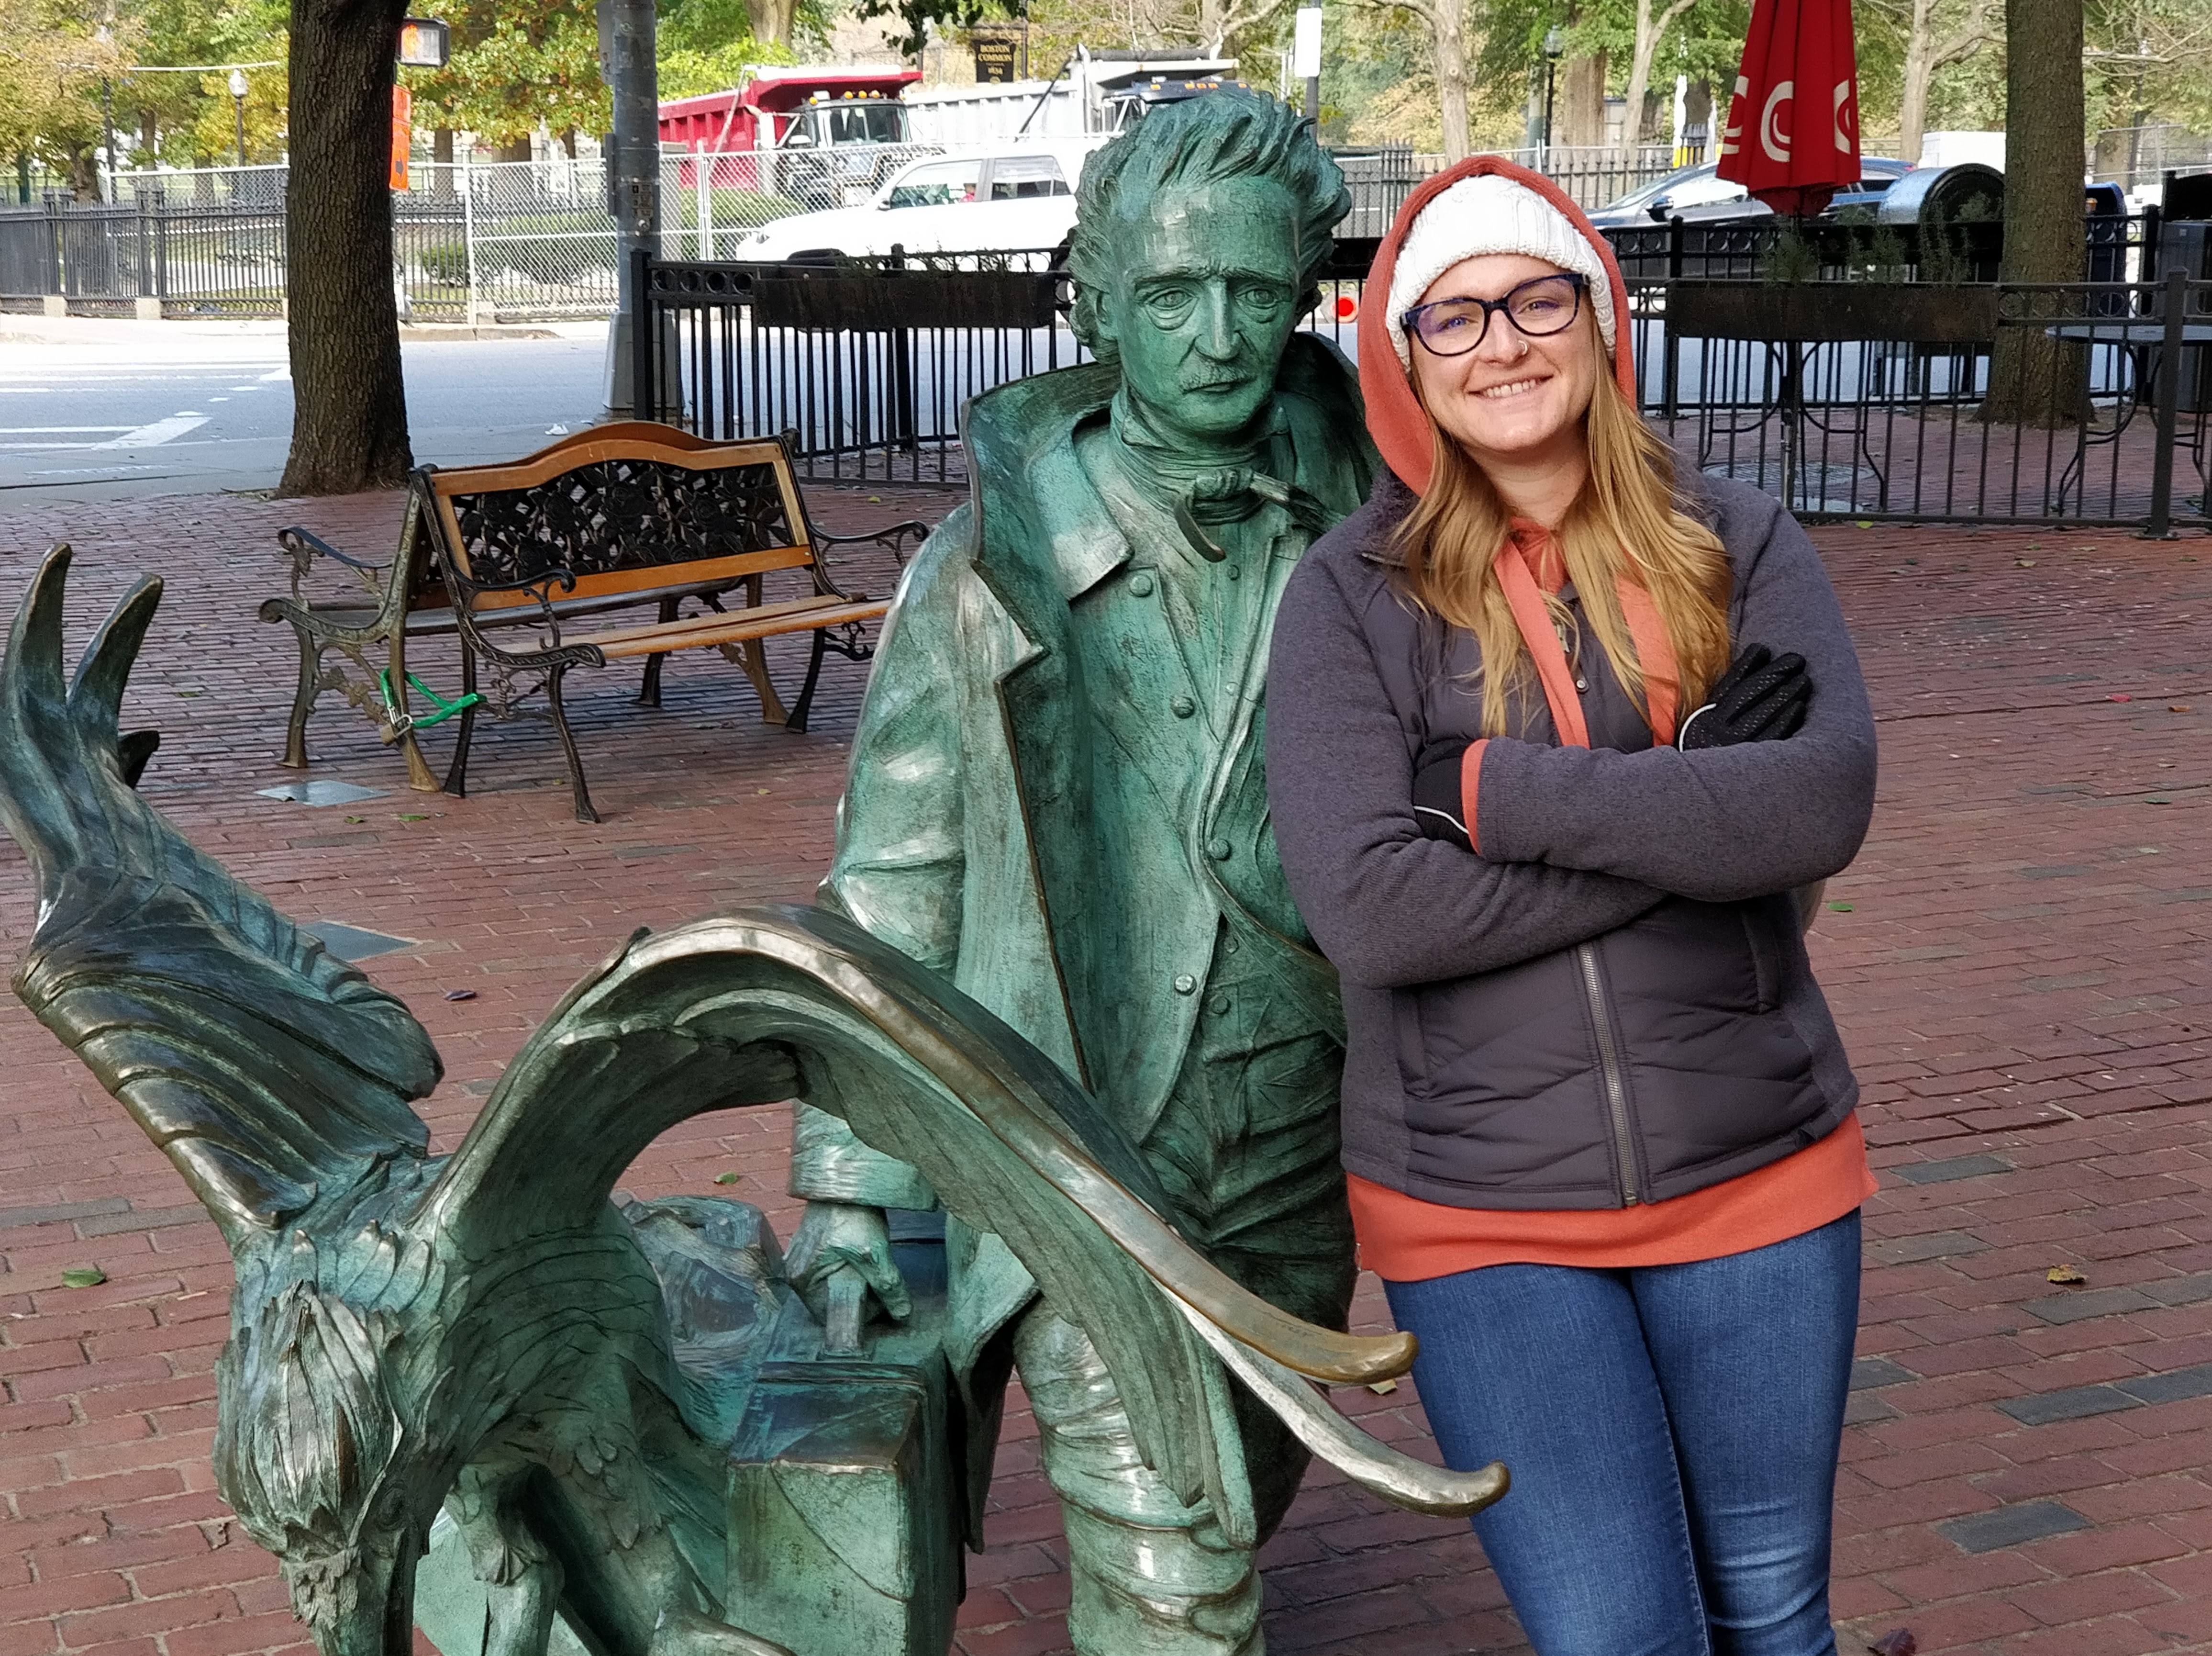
(1558, 734)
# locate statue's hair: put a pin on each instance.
(1228, 134)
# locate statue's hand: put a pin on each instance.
(840, 1262)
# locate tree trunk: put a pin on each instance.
(1919, 71)
(515, 150)
(349, 400)
(771, 20)
(1698, 117)
(1579, 104)
(1447, 33)
(1650, 30)
(2033, 379)
(84, 174)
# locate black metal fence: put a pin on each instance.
(1873, 401)
(1862, 399)
(190, 258)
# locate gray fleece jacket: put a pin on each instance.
(1611, 1003)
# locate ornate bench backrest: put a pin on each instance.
(619, 509)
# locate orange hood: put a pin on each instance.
(1394, 418)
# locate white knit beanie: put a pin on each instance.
(1483, 214)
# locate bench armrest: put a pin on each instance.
(888, 539)
(467, 590)
(302, 546)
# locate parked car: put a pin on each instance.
(1695, 194)
(1013, 197)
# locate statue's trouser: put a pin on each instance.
(1248, 1146)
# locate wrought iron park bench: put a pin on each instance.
(520, 561)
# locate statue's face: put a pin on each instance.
(1204, 302)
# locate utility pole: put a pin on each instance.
(627, 61)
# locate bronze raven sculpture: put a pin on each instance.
(483, 1331)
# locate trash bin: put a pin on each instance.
(2184, 243)
(1959, 208)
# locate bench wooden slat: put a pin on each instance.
(709, 572)
(738, 627)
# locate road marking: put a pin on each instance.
(161, 431)
(55, 430)
(24, 391)
(284, 373)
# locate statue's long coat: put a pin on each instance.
(961, 836)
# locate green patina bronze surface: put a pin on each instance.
(1057, 1014)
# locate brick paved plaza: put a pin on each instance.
(2019, 961)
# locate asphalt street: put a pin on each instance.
(92, 409)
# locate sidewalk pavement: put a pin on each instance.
(2018, 959)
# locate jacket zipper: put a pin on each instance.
(1610, 1073)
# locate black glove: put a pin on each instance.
(1439, 804)
(1762, 697)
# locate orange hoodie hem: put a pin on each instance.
(1403, 1238)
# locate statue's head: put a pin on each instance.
(310, 1453)
(1200, 241)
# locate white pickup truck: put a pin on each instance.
(1013, 197)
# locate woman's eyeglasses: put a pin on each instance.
(1453, 327)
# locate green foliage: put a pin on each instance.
(515, 68)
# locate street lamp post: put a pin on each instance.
(238, 98)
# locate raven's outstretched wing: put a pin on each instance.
(775, 1002)
(263, 1066)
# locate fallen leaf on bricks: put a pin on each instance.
(727, 1178)
(2179, 707)
(1898, 1641)
(83, 1276)
(460, 995)
(1839, 908)
(2119, 698)
(1383, 1388)
(2024, 562)
(2065, 1275)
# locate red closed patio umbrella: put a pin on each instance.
(1792, 137)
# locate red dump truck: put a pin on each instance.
(801, 132)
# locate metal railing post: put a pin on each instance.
(902, 405)
(646, 397)
(1676, 241)
(469, 231)
(2175, 301)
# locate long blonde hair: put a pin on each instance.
(1626, 519)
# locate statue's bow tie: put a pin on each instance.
(1234, 494)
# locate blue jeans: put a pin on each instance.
(1672, 1431)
